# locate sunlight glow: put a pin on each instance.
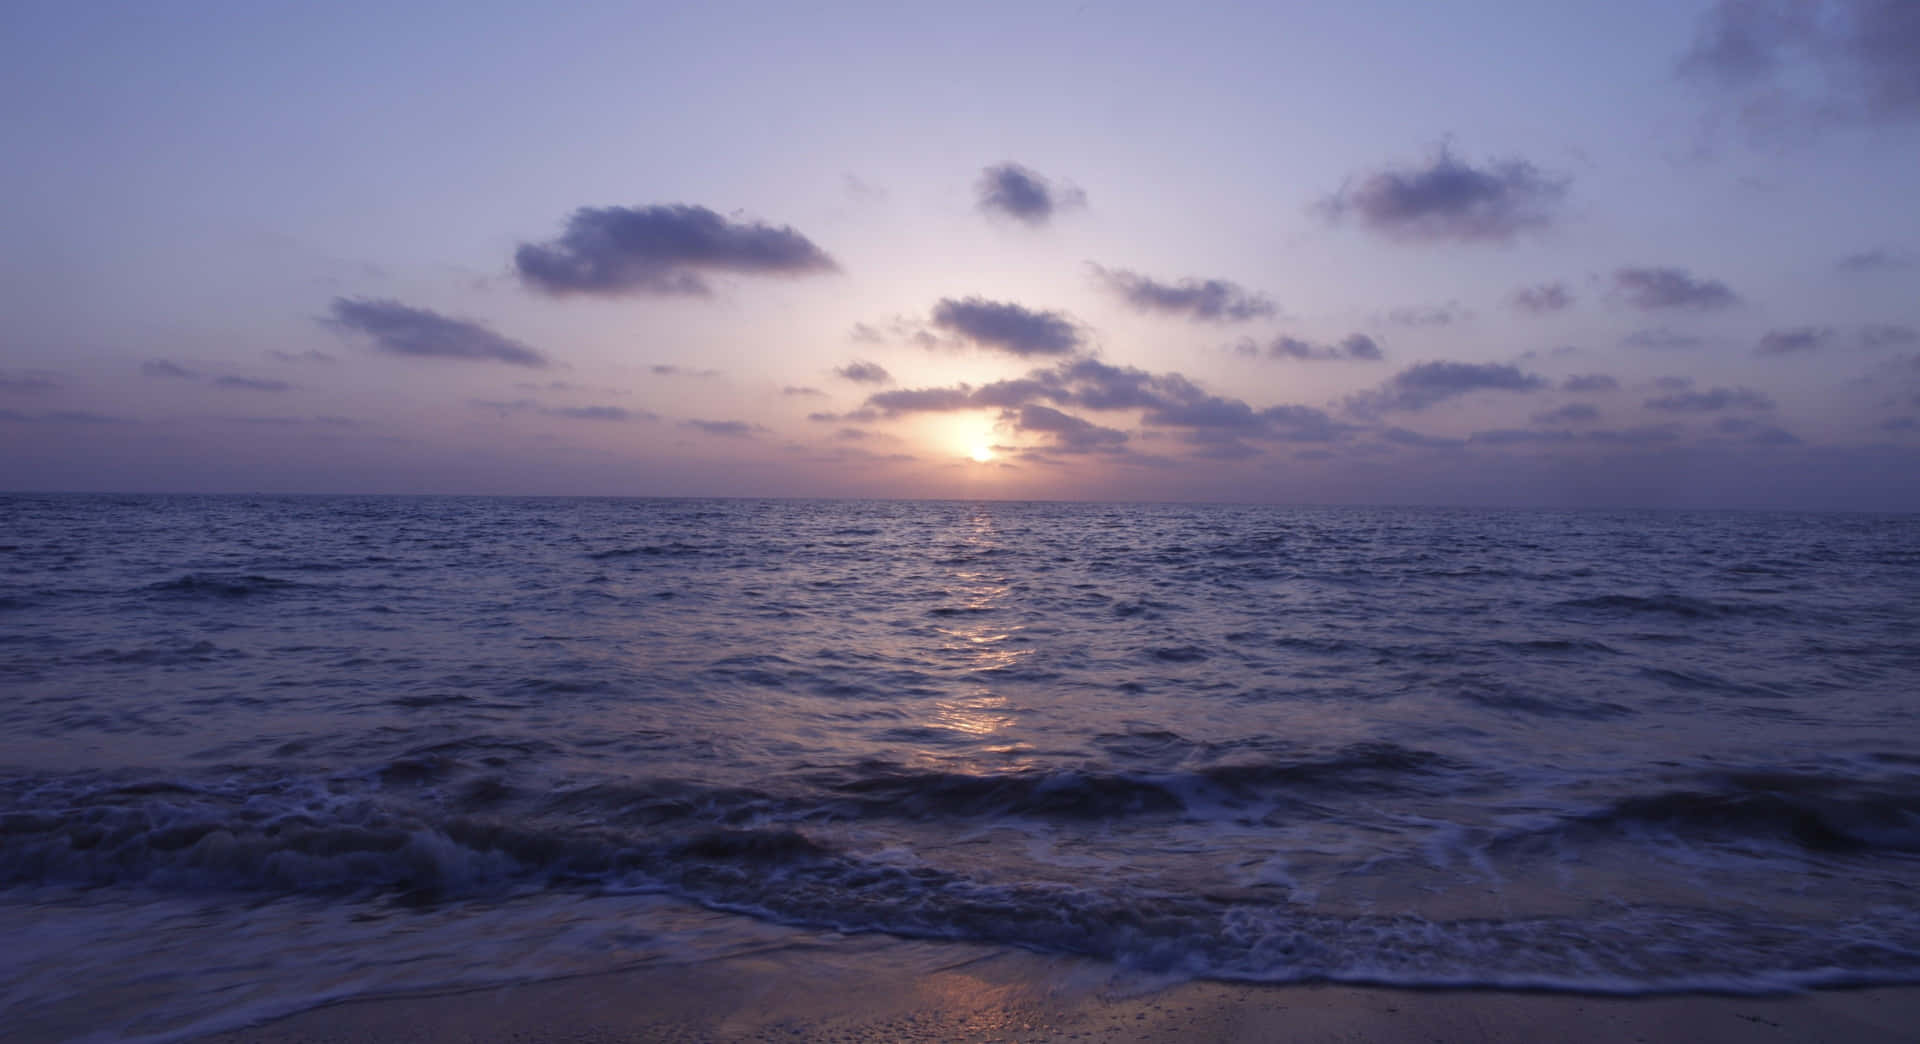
(981, 454)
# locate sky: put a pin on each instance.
(1587, 254)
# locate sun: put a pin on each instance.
(981, 454)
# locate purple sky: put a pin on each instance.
(1600, 253)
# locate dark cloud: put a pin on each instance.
(163, 368)
(1541, 299)
(1797, 339)
(1900, 424)
(796, 390)
(1519, 437)
(863, 415)
(1661, 340)
(1796, 66)
(1406, 437)
(1651, 289)
(661, 250)
(1007, 327)
(922, 400)
(1711, 401)
(1589, 382)
(1428, 315)
(1571, 413)
(1210, 300)
(1644, 435)
(1888, 335)
(731, 429)
(309, 356)
(1069, 433)
(1877, 260)
(1673, 383)
(1425, 384)
(27, 382)
(1011, 190)
(60, 417)
(669, 370)
(1447, 199)
(862, 372)
(1358, 347)
(600, 413)
(251, 384)
(400, 330)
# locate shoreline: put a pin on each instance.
(894, 990)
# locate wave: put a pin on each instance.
(221, 585)
(1673, 605)
(316, 841)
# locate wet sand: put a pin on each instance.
(895, 991)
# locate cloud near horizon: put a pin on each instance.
(1542, 299)
(661, 249)
(398, 329)
(1203, 300)
(1449, 200)
(1013, 191)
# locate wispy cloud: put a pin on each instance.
(1543, 299)
(1013, 191)
(730, 429)
(669, 370)
(1656, 289)
(1790, 69)
(165, 369)
(1357, 346)
(397, 329)
(1206, 300)
(1427, 315)
(1788, 342)
(862, 372)
(251, 384)
(1879, 259)
(1448, 199)
(665, 249)
(1662, 340)
(1711, 401)
(1589, 382)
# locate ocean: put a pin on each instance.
(260, 753)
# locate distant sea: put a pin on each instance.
(257, 753)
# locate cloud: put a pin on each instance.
(1876, 260)
(1007, 327)
(1166, 400)
(600, 413)
(1541, 299)
(59, 417)
(1797, 339)
(1651, 289)
(400, 330)
(1425, 384)
(1012, 191)
(615, 251)
(1757, 433)
(1428, 315)
(165, 369)
(1070, 434)
(804, 392)
(251, 384)
(27, 382)
(309, 356)
(1208, 300)
(1354, 347)
(1446, 199)
(1571, 413)
(865, 334)
(1406, 437)
(1888, 335)
(862, 372)
(1900, 424)
(1643, 435)
(667, 370)
(1519, 436)
(1589, 382)
(1661, 340)
(1711, 401)
(1794, 67)
(731, 429)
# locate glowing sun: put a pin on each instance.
(981, 454)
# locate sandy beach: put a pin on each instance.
(885, 990)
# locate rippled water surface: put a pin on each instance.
(390, 742)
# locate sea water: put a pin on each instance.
(257, 753)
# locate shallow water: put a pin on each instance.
(400, 742)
